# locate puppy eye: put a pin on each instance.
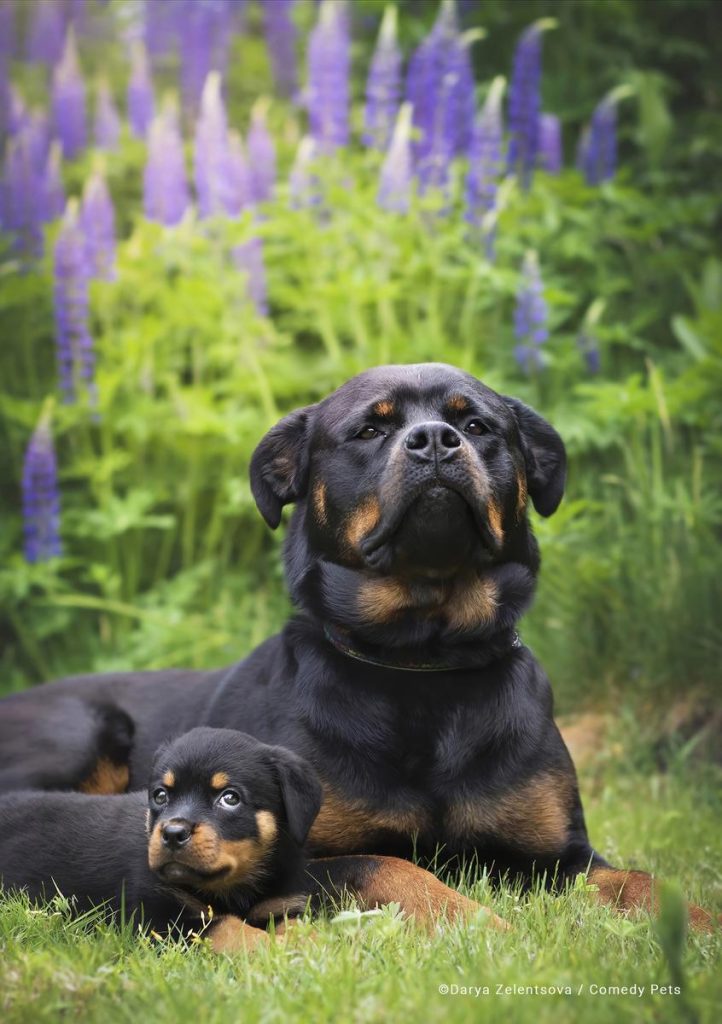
(229, 798)
(475, 427)
(160, 797)
(367, 433)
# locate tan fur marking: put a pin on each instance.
(106, 779)
(362, 521)
(534, 816)
(422, 896)
(522, 495)
(381, 599)
(458, 403)
(636, 890)
(168, 779)
(344, 825)
(219, 780)
(493, 513)
(230, 934)
(471, 604)
(384, 408)
(319, 503)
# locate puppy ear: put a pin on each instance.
(544, 455)
(279, 465)
(301, 792)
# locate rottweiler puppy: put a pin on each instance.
(221, 828)
(402, 678)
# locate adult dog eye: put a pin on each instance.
(367, 433)
(475, 427)
(160, 797)
(229, 798)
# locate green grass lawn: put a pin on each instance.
(380, 968)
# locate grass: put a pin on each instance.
(381, 968)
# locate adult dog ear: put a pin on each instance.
(544, 455)
(301, 792)
(279, 465)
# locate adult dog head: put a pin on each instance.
(411, 486)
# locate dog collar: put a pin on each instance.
(341, 640)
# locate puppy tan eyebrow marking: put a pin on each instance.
(384, 408)
(219, 780)
(169, 779)
(458, 403)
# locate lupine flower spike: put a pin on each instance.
(141, 103)
(74, 345)
(97, 219)
(550, 143)
(107, 120)
(302, 182)
(165, 185)
(597, 156)
(329, 59)
(22, 213)
(41, 495)
(211, 155)
(281, 39)
(261, 154)
(525, 101)
(398, 167)
(53, 190)
(45, 37)
(68, 100)
(249, 259)
(530, 317)
(486, 167)
(383, 88)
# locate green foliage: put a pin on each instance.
(166, 560)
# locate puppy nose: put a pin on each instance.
(176, 833)
(427, 442)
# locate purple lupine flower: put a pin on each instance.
(37, 131)
(53, 192)
(598, 150)
(329, 61)
(97, 219)
(302, 181)
(73, 342)
(107, 119)
(141, 103)
(45, 38)
(22, 184)
(240, 190)
(589, 350)
(165, 185)
(383, 87)
(485, 166)
(525, 101)
(7, 28)
(550, 143)
(397, 170)
(281, 38)
(68, 100)
(248, 258)
(161, 26)
(214, 182)
(41, 495)
(17, 112)
(204, 34)
(530, 316)
(261, 156)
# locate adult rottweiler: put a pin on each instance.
(402, 680)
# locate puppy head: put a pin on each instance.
(224, 810)
(415, 472)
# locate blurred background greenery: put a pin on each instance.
(166, 562)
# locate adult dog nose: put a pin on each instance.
(435, 441)
(176, 833)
